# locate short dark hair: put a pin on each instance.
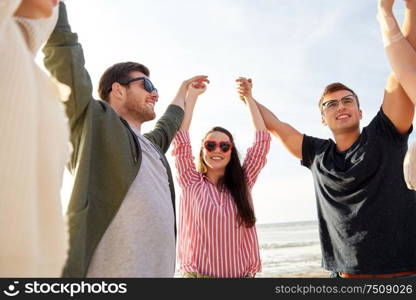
(118, 73)
(333, 87)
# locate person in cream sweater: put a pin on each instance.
(34, 137)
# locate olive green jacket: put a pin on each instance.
(107, 153)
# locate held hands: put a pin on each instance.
(197, 86)
(244, 87)
(183, 90)
(192, 89)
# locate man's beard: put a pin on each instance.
(141, 113)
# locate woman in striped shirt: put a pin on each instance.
(217, 233)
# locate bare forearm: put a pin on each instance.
(255, 114)
(409, 28)
(401, 51)
(404, 68)
(400, 95)
(189, 110)
(271, 121)
(289, 136)
(182, 93)
(409, 32)
(179, 99)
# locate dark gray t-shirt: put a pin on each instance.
(367, 216)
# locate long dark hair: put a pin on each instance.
(233, 180)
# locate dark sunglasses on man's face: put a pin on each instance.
(225, 146)
(148, 85)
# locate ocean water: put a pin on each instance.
(289, 249)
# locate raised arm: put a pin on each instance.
(64, 58)
(289, 136)
(184, 160)
(244, 87)
(256, 154)
(183, 89)
(400, 96)
(168, 125)
(196, 86)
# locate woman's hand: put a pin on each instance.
(197, 87)
(244, 87)
(183, 89)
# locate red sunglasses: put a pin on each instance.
(225, 146)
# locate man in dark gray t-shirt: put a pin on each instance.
(367, 216)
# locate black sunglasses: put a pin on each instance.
(148, 85)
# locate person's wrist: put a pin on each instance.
(191, 98)
(190, 105)
(181, 92)
(249, 98)
(385, 12)
(390, 30)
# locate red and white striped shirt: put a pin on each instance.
(210, 241)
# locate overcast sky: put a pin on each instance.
(290, 48)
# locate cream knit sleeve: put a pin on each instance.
(34, 137)
(7, 9)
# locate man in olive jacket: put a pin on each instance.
(121, 213)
